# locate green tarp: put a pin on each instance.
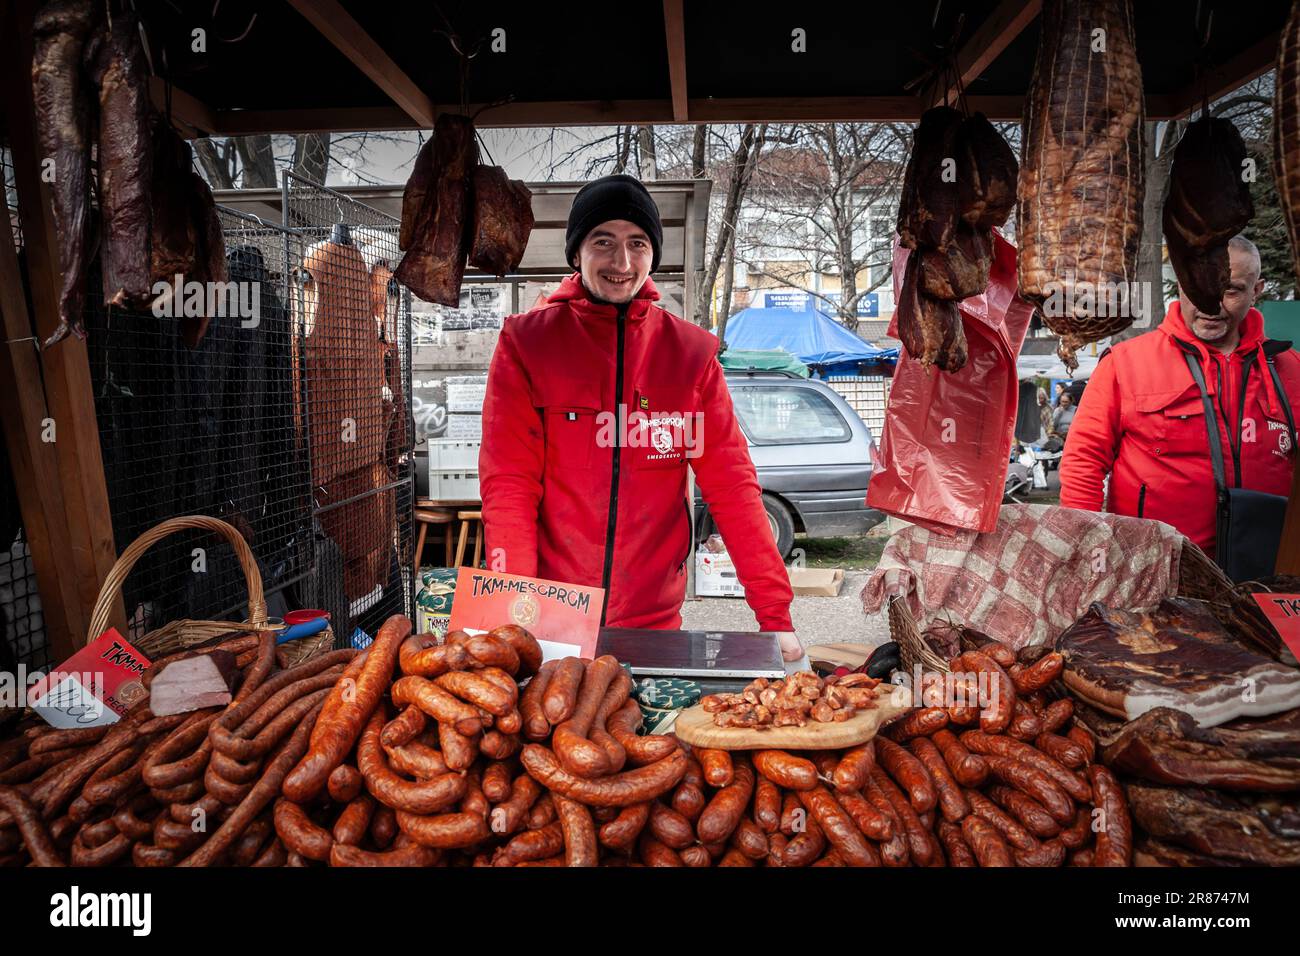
(767, 360)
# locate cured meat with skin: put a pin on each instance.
(1166, 746)
(1286, 130)
(416, 207)
(986, 184)
(503, 221)
(434, 263)
(1209, 203)
(125, 163)
(63, 110)
(962, 270)
(1127, 663)
(928, 212)
(1262, 831)
(931, 329)
(1079, 197)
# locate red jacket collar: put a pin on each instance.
(1252, 331)
(572, 291)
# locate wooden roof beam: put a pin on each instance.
(338, 26)
(1249, 64)
(1007, 21)
(675, 38)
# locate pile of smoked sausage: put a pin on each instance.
(193, 788)
(415, 753)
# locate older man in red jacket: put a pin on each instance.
(1142, 421)
(596, 403)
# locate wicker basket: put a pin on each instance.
(182, 635)
(1198, 578)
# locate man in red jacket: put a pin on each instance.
(596, 402)
(1142, 421)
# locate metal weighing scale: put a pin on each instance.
(738, 656)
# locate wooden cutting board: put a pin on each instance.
(697, 728)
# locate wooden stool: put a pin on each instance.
(468, 518)
(425, 517)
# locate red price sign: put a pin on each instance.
(1283, 612)
(565, 618)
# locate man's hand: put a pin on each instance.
(791, 649)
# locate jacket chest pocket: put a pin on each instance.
(1172, 424)
(570, 412)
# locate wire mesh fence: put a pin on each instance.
(205, 429)
(22, 623)
(355, 378)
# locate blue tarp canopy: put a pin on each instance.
(811, 336)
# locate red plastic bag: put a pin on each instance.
(947, 437)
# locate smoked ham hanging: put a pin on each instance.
(125, 163)
(1081, 170)
(1209, 203)
(64, 114)
(437, 242)
(1286, 130)
(959, 184)
(503, 220)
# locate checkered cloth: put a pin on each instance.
(1033, 576)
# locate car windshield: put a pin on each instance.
(787, 414)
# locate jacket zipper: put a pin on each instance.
(1235, 447)
(690, 535)
(1142, 499)
(615, 465)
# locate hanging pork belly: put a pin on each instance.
(1286, 129)
(64, 115)
(1081, 170)
(503, 221)
(928, 212)
(125, 162)
(1209, 203)
(929, 328)
(437, 241)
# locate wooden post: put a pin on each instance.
(88, 552)
(40, 498)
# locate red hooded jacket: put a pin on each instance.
(1141, 420)
(564, 500)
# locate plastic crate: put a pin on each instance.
(453, 485)
(451, 454)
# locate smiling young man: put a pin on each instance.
(1142, 418)
(596, 403)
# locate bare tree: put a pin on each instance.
(736, 175)
(812, 202)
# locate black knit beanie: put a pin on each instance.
(612, 197)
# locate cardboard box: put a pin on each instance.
(715, 575)
(816, 582)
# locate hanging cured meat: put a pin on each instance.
(1286, 129)
(125, 163)
(186, 238)
(928, 211)
(1081, 169)
(503, 220)
(929, 328)
(63, 120)
(959, 184)
(434, 263)
(1209, 203)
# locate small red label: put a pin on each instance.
(95, 686)
(565, 618)
(1283, 612)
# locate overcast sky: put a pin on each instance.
(525, 154)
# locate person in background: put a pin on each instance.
(1063, 416)
(1142, 418)
(1044, 415)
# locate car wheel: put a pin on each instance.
(778, 516)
